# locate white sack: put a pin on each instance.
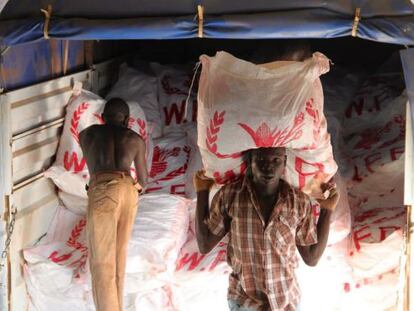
(376, 293)
(377, 240)
(202, 279)
(243, 106)
(171, 155)
(372, 98)
(137, 86)
(377, 151)
(173, 87)
(160, 299)
(322, 286)
(158, 234)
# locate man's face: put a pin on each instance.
(267, 165)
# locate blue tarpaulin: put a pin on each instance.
(389, 21)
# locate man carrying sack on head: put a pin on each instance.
(109, 151)
(266, 220)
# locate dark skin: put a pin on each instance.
(267, 166)
(112, 146)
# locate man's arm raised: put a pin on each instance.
(206, 239)
(312, 253)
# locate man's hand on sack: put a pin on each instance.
(331, 194)
(202, 182)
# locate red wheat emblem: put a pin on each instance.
(212, 132)
(263, 136)
(314, 114)
(74, 123)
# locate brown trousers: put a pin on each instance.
(112, 208)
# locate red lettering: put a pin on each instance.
(356, 177)
(396, 152)
(221, 256)
(153, 189)
(378, 99)
(74, 162)
(358, 107)
(372, 158)
(178, 189)
(378, 221)
(303, 167)
(173, 111)
(358, 238)
(54, 257)
(194, 261)
(384, 230)
(347, 287)
(367, 215)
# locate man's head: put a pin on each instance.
(267, 165)
(116, 112)
(282, 50)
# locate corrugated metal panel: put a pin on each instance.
(38, 149)
(36, 116)
(35, 105)
(36, 119)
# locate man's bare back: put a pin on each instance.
(113, 147)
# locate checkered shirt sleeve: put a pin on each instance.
(306, 232)
(215, 221)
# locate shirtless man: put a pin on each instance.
(109, 150)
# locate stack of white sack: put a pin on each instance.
(339, 88)
(375, 135)
(177, 97)
(69, 172)
(136, 86)
(257, 106)
(202, 279)
(57, 273)
(375, 123)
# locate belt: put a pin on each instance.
(120, 173)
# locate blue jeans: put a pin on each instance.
(235, 306)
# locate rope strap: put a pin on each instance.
(357, 18)
(200, 14)
(48, 15)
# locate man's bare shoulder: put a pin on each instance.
(134, 136)
(90, 129)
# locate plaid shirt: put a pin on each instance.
(263, 258)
